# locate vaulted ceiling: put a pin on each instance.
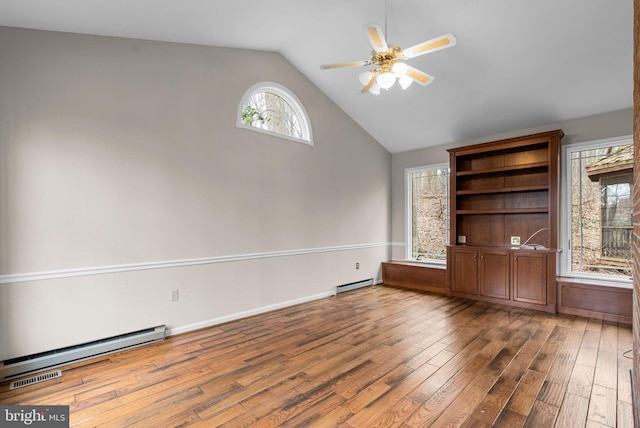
(517, 64)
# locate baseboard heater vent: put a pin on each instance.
(21, 366)
(353, 285)
(34, 379)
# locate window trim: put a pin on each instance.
(565, 210)
(408, 187)
(291, 99)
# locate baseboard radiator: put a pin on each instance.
(16, 367)
(353, 285)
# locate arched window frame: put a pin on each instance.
(291, 99)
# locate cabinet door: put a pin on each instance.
(464, 271)
(530, 277)
(493, 274)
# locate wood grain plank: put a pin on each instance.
(624, 414)
(552, 393)
(448, 392)
(523, 397)
(562, 367)
(588, 351)
(372, 415)
(495, 400)
(499, 353)
(510, 419)
(602, 406)
(581, 380)
(542, 415)
(573, 412)
(606, 373)
(464, 404)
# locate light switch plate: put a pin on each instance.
(462, 239)
(515, 240)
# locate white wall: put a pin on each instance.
(123, 177)
(590, 128)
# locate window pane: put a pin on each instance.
(601, 210)
(430, 214)
(272, 108)
(269, 111)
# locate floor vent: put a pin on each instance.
(16, 367)
(35, 379)
(353, 285)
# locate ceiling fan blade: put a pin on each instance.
(419, 76)
(442, 42)
(376, 37)
(345, 64)
(368, 85)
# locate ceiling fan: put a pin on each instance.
(389, 61)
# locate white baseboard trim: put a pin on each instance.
(245, 314)
(101, 270)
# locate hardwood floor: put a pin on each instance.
(374, 357)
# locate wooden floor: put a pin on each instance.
(374, 357)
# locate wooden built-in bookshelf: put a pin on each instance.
(499, 190)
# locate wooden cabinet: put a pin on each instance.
(493, 274)
(503, 193)
(464, 273)
(518, 277)
(480, 273)
(530, 277)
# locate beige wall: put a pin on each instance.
(591, 128)
(123, 177)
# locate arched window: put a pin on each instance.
(271, 108)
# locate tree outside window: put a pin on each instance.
(601, 188)
(428, 212)
(268, 111)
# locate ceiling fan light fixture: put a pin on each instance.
(386, 80)
(365, 77)
(388, 61)
(399, 69)
(405, 81)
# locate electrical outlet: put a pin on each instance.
(357, 265)
(515, 240)
(462, 239)
(174, 295)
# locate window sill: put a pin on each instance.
(273, 134)
(425, 263)
(627, 284)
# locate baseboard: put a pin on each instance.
(246, 314)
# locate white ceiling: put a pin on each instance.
(517, 64)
